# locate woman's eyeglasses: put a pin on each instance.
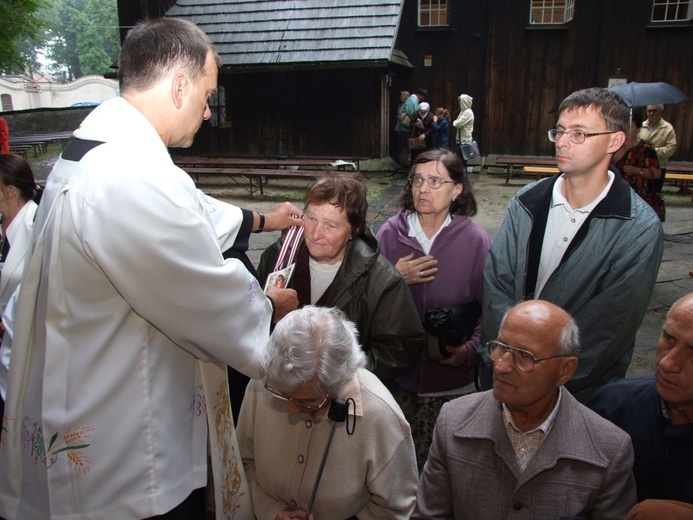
(308, 404)
(433, 182)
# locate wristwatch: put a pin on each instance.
(261, 227)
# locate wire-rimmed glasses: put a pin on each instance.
(574, 136)
(433, 182)
(523, 359)
(308, 404)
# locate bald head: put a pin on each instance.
(674, 364)
(548, 323)
(683, 306)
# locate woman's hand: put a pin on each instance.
(417, 270)
(460, 354)
(631, 170)
(292, 513)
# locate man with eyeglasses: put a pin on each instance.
(527, 448)
(583, 240)
(663, 137)
(313, 357)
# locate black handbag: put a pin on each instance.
(449, 326)
(469, 150)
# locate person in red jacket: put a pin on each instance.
(4, 136)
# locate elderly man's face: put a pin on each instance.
(534, 326)
(654, 114)
(674, 361)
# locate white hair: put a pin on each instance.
(309, 342)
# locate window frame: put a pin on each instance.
(551, 7)
(442, 10)
(6, 102)
(666, 5)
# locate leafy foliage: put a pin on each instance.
(21, 28)
(84, 36)
(80, 36)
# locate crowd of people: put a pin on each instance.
(426, 372)
(416, 121)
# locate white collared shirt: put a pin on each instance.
(561, 227)
(418, 234)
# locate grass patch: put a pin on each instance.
(52, 150)
(672, 198)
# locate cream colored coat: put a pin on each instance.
(370, 474)
(126, 308)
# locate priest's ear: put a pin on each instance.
(179, 86)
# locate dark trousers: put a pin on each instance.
(458, 149)
(192, 508)
(659, 183)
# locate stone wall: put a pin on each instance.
(45, 120)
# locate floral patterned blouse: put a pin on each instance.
(642, 155)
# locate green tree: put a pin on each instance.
(22, 28)
(84, 36)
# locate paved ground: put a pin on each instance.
(493, 196)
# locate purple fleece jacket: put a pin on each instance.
(461, 250)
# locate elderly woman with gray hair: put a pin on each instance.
(422, 127)
(313, 357)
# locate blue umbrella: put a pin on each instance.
(643, 94)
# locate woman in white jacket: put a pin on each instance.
(464, 125)
(19, 196)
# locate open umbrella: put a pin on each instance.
(643, 94)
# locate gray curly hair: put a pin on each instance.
(312, 342)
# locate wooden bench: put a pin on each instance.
(266, 163)
(257, 177)
(512, 162)
(680, 171)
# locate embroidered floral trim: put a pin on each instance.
(253, 288)
(72, 443)
(231, 476)
(5, 431)
(199, 404)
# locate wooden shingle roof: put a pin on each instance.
(279, 33)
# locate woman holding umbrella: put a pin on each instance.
(637, 160)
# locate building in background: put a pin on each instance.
(23, 93)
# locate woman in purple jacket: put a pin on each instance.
(441, 254)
